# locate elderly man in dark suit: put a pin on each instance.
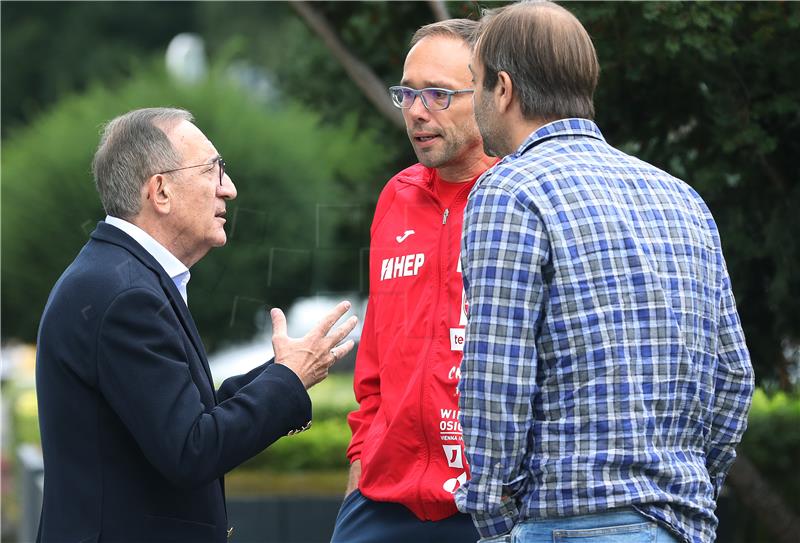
(135, 438)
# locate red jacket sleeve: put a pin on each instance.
(366, 384)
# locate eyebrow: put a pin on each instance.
(430, 84)
(211, 163)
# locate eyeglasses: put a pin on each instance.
(434, 99)
(217, 160)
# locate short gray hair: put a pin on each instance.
(462, 29)
(133, 147)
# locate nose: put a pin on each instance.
(227, 189)
(418, 111)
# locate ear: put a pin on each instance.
(504, 92)
(157, 193)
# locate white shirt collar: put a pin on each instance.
(176, 270)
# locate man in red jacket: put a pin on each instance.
(406, 453)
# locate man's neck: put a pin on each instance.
(466, 170)
(169, 240)
(521, 129)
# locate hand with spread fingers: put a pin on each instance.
(310, 356)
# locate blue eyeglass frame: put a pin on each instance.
(424, 95)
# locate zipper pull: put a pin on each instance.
(444, 217)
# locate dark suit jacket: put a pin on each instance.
(135, 439)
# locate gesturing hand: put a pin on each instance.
(310, 356)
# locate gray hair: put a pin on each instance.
(462, 29)
(133, 147)
(547, 53)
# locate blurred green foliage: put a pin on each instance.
(323, 446)
(24, 414)
(300, 185)
(772, 441)
(320, 448)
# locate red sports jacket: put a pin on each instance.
(406, 431)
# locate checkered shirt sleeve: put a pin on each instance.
(505, 250)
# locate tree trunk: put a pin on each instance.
(361, 74)
(758, 496)
(439, 9)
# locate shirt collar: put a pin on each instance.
(561, 127)
(176, 269)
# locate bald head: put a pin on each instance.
(547, 54)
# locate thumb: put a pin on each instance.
(278, 323)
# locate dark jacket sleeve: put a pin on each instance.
(143, 373)
(231, 385)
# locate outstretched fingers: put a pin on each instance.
(341, 332)
(341, 350)
(325, 325)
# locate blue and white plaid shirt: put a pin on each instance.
(605, 364)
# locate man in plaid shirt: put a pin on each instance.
(605, 381)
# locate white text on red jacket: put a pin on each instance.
(401, 266)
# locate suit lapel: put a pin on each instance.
(111, 234)
(179, 306)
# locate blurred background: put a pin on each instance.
(294, 96)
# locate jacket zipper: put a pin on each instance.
(442, 262)
(445, 214)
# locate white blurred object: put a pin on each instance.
(186, 58)
(240, 359)
(18, 363)
(307, 312)
(300, 318)
(254, 79)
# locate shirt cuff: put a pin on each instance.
(496, 524)
(499, 521)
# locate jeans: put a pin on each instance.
(616, 526)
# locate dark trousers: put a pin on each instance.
(362, 520)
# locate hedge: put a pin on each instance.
(772, 439)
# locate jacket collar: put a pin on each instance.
(562, 127)
(111, 234)
(423, 177)
(419, 175)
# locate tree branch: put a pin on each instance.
(361, 74)
(439, 9)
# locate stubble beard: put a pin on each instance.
(437, 158)
(455, 145)
(493, 140)
(489, 145)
